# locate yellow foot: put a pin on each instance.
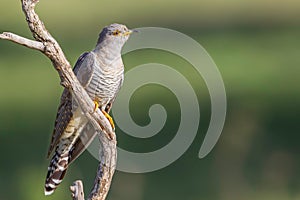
(109, 119)
(96, 105)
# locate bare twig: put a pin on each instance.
(77, 190)
(22, 41)
(49, 46)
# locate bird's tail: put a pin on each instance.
(56, 171)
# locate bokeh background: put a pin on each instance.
(256, 47)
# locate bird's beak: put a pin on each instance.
(129, 32)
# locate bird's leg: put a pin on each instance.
(110, 119)
(105, 114)
(96, 105)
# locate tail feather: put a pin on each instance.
(56, 172)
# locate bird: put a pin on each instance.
(101, 73)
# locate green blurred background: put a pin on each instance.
(256, 47)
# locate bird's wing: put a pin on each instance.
(86, 137)
(64, 113)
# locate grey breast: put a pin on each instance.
(106, 79)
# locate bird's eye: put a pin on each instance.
(116, 32)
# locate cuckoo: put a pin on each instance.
(101, 73)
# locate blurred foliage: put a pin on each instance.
(255, 44)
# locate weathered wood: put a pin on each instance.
(77, 190)
(22, 41)
(106, 168)
(45, 43)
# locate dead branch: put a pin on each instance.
(22, 41)
(77, 190)
(45, 43)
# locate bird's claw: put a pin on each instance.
(111, 121)
(105, 114)
(96, 106)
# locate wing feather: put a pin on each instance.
(64, 113)
(86, 137)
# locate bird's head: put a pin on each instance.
(115, 34)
